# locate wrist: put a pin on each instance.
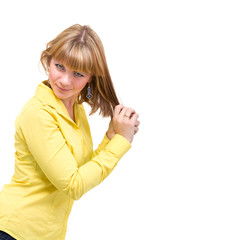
(110, 135)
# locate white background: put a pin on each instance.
(175, 62)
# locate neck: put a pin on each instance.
(69, 106)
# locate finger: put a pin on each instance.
(122, 113)
(134, 118)
(136, 130)
(137, 123)
(129, 112)
(118, 109)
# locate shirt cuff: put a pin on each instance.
(104, 142)
(118, 145)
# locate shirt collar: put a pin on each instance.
(46, 95)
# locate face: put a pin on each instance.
(66, 83)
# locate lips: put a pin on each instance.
(63, 89)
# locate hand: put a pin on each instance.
(125, 122)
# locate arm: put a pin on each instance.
(48, 147)
(101, 146)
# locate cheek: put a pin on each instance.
(53, 75)
(80, 84)
(50, 75)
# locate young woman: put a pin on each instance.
(54, 160)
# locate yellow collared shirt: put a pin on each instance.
(54, 165)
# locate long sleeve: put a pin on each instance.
(46, 143)
(101, 146)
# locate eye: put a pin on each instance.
(59, 66)
(77, 74)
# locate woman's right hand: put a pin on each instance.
(125, 122)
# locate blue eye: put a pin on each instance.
(78, 74)
(59, 66)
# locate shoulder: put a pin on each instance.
(33, 110)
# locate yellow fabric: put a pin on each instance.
(54, 165)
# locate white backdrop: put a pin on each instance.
(177, 64)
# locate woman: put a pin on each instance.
(54, 160)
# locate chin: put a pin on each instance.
(60, 95)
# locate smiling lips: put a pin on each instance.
(62, 89)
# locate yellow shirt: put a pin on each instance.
(54, 165)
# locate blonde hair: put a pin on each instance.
(80, 48)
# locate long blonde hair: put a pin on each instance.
(80, 48)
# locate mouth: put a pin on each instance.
(63, 89)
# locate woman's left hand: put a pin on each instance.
(111, 133)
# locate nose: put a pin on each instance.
(65, 81)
